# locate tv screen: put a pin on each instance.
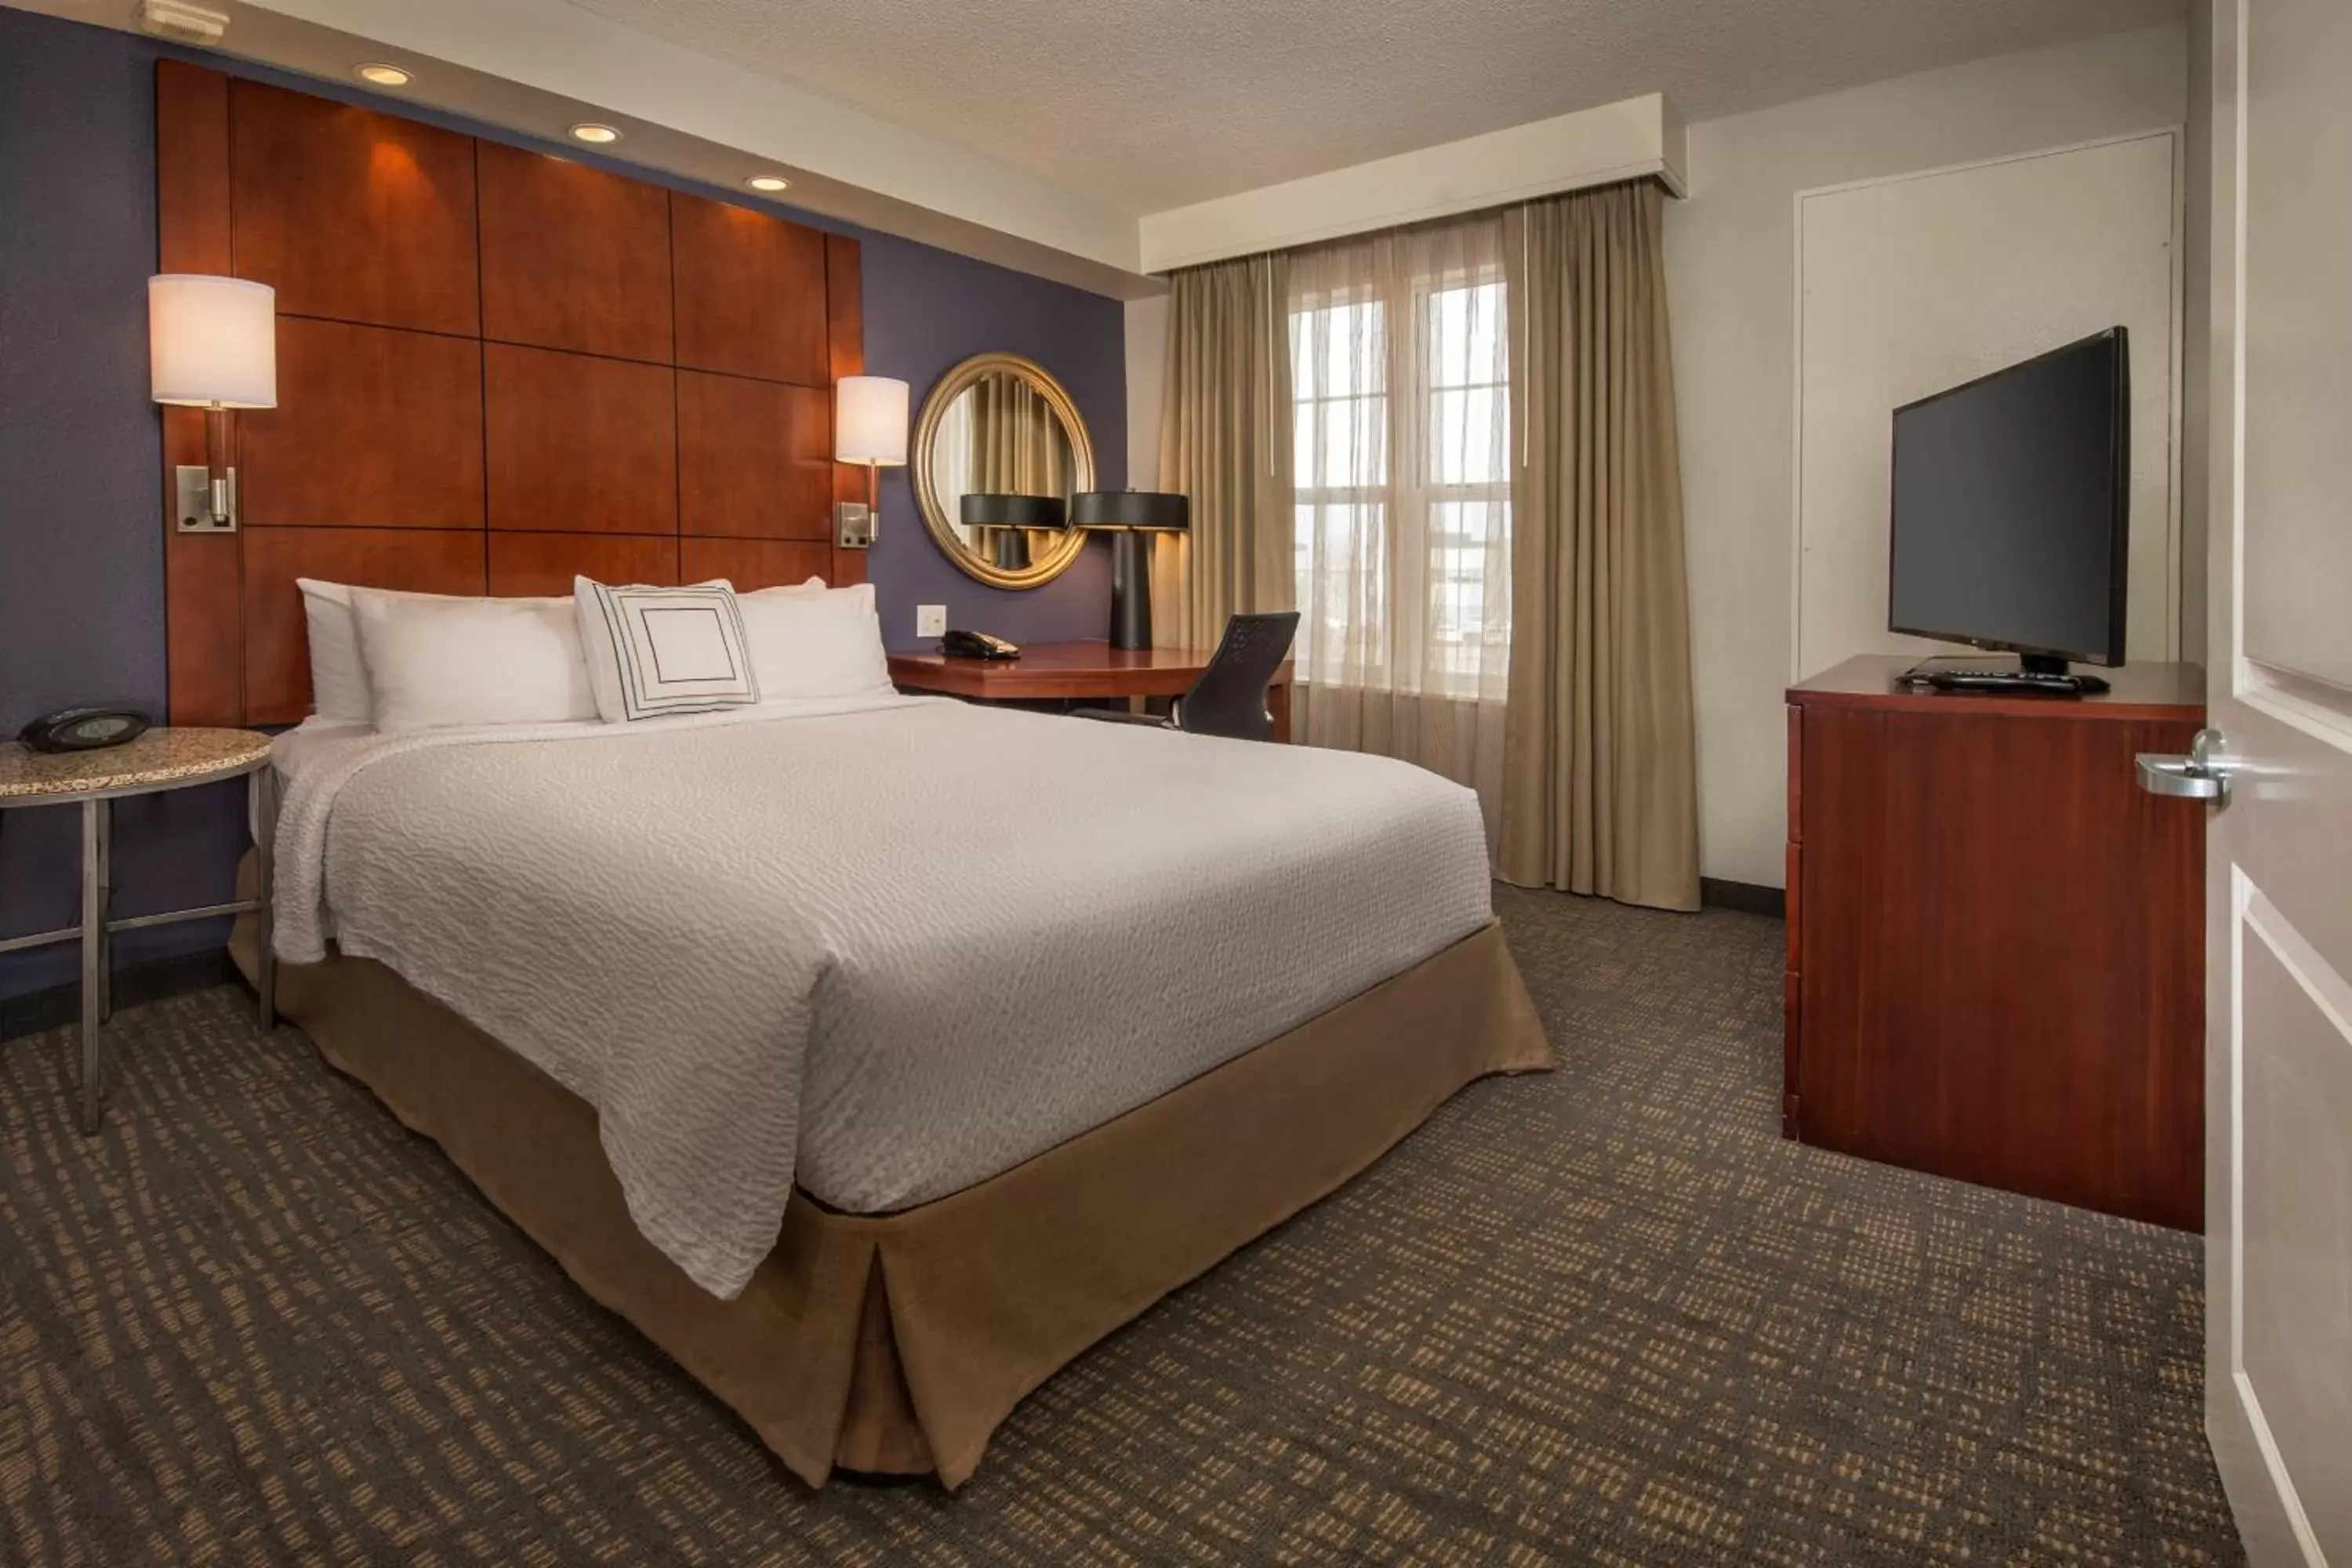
(2010, 510)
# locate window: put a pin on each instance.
(1339, 383)
(1467, 484)
(1403, 503)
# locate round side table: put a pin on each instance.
(162, 758)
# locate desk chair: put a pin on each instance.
(1229, 699)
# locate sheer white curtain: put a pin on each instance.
(952, 459)
(1400, 374)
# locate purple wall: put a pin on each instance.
(925, 310)
(81, 551)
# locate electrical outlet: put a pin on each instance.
(930, 620)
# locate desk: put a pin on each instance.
(1094, 671)
(159, 759)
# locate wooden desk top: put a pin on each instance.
(2135, 690)
(1054, 669)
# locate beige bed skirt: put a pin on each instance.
(896, 1344)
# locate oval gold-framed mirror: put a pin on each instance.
(1000, 451)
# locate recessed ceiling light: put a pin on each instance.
(598, 134)
(769, 183)
(384, 74)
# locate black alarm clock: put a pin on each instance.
(83, 728)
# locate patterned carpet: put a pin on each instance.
(1602, 1316)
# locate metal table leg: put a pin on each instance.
(93, 958)
(265, 856)
(105, 910)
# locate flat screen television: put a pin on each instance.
(2012, 505)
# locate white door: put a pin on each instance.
(2279, 869)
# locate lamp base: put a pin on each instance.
(197, 506)
(853, 525)
(1131, 589)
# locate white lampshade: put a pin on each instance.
(212, 341)
(870, 420)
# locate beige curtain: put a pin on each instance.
(1017, 447)
(1400, 371)
(1598, 793)
(1225, 441)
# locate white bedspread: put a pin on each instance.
(892, 948)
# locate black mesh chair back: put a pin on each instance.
(1230, 696)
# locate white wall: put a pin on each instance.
(1147, 361)
(1730, 264)
(1911, 285)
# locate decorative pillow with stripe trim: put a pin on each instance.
(655, 652)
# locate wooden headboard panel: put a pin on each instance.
(495, 369)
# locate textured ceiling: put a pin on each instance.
(1149, 104)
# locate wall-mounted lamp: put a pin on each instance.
(869, 427)
(212, 343)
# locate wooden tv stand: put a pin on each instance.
(1995, 940)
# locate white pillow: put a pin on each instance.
(339, 682)
(338, 688)
(655, 652)
(338, 679)
(434, 663)
(815, 641)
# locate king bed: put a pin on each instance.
(875, 1056)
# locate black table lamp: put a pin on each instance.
(1005, 516)
(1130, 518)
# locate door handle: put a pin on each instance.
(2203, 775)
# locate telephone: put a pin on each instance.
(82, 729)
(958, 643)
